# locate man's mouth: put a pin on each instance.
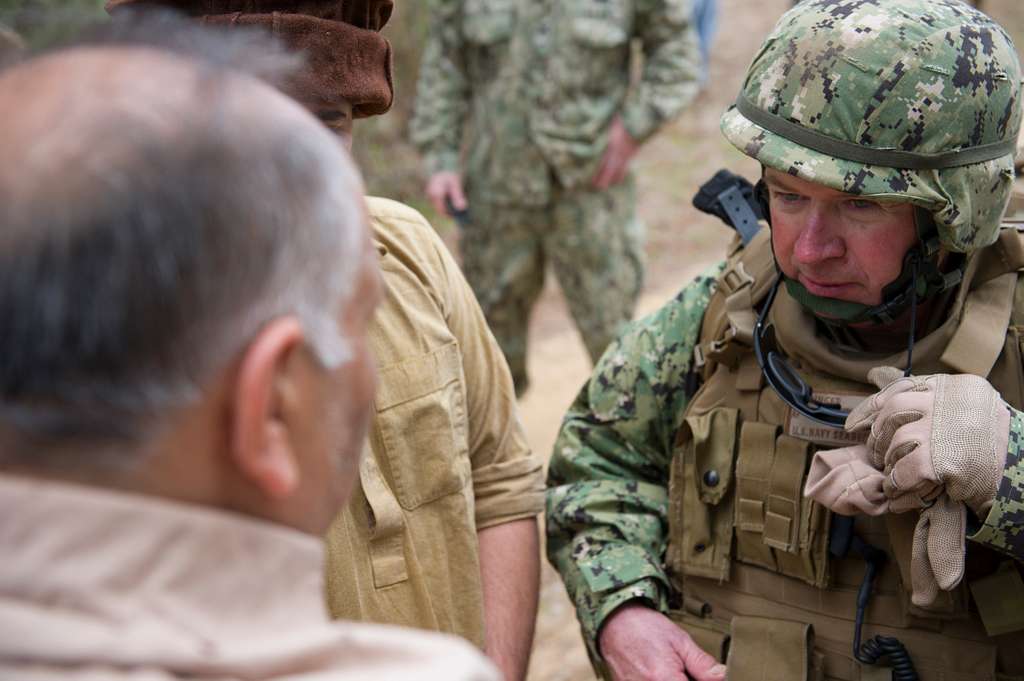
(824, 288)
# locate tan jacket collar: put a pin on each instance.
(95, 576)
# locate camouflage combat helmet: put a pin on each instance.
(912, 100)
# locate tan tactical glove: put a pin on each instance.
(941, 442)
(845, 481)
(937, 555)
(935, 433)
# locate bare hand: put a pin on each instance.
(446, 185)
(641, 644)
(618, 154)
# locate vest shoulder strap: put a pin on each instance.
(974, 340)
(728, 329)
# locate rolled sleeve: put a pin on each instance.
(508, 491)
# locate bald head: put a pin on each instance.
(157, 210)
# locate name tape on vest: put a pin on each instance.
(798, 425)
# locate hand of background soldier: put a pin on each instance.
(444, 187)
(620, 151)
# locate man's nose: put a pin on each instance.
(819, 239)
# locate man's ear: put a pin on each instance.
(261, 443)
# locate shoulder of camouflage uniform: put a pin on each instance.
(657, 349)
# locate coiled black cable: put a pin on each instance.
(887, 646)
(842, 541)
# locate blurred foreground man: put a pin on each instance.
(540, 97)
(676, 514)
(186, 283)
(441, 532)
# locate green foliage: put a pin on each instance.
(44, 22)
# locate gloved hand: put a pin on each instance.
(930, 434)
(941, 443)
(937, 554)
(845, 481)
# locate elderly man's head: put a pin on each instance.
(185, 280)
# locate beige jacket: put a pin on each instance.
(105, 585)
(447, 454)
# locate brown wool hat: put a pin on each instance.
(347, 59)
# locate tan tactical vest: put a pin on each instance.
(748, 554)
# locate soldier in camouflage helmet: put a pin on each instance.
(543, 91)
(780, 470)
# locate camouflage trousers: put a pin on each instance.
(593, 241)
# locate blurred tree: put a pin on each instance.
(42, 22)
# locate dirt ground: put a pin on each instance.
(681, 242)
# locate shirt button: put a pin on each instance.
(711, 478)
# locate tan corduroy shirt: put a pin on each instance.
(98, 584)
(447, 455)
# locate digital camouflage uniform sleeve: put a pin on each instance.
(607, 498)
(442, 90)
(671, 66)
(1003, 529)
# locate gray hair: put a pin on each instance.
(134, 270)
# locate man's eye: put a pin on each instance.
(786, 197)
(862, 204)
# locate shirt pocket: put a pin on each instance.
(595, 58)
(600, 24)
(487, 22)
(421, 411)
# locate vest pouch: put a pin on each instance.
(777, 528)
(710, 635)
(768, 649)
(701, 503)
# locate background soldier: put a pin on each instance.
(886, 132)
(545, 87)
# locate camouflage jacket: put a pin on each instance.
(607, 499)
(539, 82)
